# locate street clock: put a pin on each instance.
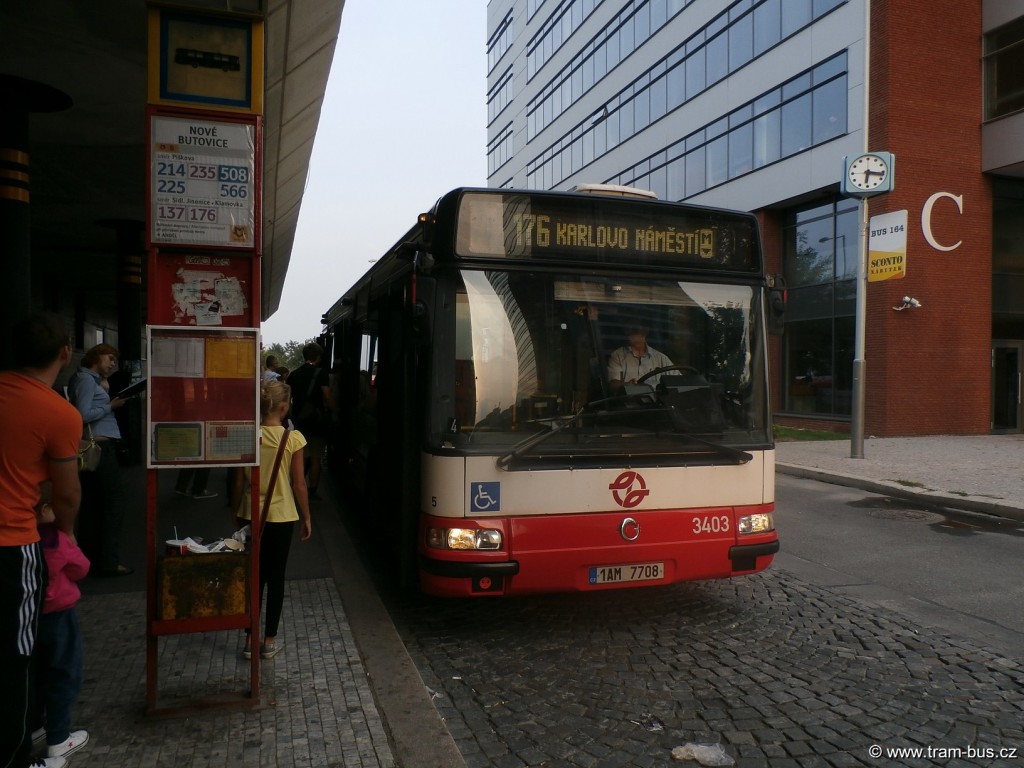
(868, 174)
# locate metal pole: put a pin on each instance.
(859, 363)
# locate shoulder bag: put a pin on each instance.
(89, 453)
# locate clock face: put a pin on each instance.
(868, 172)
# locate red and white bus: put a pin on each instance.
(505, 437)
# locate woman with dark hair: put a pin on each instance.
(102, 511)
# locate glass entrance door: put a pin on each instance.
(1006, 386)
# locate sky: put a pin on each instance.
(403, 121)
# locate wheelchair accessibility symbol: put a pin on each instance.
(485, 497)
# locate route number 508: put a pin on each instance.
(711, 524)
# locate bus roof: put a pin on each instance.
(616, 190)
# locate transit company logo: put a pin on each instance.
(629, 489)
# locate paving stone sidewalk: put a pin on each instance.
(320, 709)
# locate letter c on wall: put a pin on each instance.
(926, 219)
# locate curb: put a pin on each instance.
(931, 498)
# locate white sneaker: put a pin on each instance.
(70, 745)
(48, 762)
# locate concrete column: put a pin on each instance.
(18, 99)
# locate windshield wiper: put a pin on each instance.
(523, 446)
(590, 408)
(740, 457)
(735, 454)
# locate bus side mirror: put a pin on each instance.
(420, 323)
(776, 304)
(421, 311)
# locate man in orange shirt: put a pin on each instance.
(38, 443)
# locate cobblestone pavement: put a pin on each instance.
(318, 708)
(773, 668)
(777, 671)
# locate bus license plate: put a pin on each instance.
(619, 574)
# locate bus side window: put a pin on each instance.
(465, 392)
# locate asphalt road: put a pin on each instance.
(959, 569)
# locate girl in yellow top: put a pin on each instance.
(289, 493)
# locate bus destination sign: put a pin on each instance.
(540, 226)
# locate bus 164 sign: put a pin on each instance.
(887, 246)
(202, 183)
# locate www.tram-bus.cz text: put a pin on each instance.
(969, 752)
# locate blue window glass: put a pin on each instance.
(717, 161)
(626, 127)
(741, 42)
(767, 25)
(695, 172)
(676, 180)
(641, 110)
(676, 87)
(717, 58)
(821, 7)
(626, 45)
(829, 111)
(642, 24)
(659, 104)
(795, 14)
(659, 9)
(741, 150)
(612, 124)
(696, 77)
(796, 125)
(767, 138)
(658, 183)
(613, 50)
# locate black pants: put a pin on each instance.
(22, 587)
(275, 543)
(102, 511)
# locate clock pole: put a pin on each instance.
(860, 321)
(859, 363)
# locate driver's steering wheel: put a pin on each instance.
(666, 368)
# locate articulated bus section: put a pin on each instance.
(486, 531)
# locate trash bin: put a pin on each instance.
(202, 585)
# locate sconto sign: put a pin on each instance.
(887, 246)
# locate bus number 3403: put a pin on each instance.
(711, 524)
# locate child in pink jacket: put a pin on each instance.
(58, 656)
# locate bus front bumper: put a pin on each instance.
(455, 578)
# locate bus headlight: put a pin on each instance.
(464, 538)
(760, 523)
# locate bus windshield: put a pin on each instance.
(606, 365)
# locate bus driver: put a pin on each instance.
(627, 364)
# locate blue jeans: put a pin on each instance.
(58, 664)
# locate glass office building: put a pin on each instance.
(754, 105)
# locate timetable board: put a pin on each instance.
(203, 396)
(202, 182)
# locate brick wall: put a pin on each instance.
(928, 369)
